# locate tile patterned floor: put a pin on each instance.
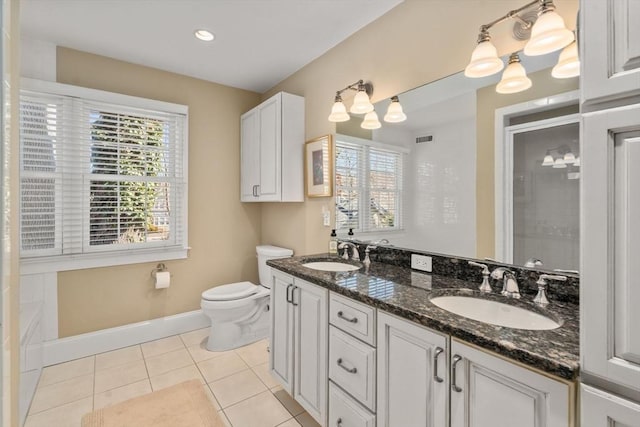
(237, 381)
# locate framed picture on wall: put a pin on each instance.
(318, 167)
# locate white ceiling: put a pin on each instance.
(258, 42)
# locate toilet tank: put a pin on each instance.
(265, 253)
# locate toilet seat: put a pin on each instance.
(230, 292)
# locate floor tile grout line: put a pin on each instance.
(57, 406)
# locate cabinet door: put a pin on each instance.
(281, 345)
(489, 391)
(610, 48)
(311, 345)
(411, 391)
(600, 409)
(270, 129)
(610, 245)
(249, 157)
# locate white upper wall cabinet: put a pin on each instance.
(610, 245)
(272, 139)
(610, 54)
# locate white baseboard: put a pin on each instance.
(70, 348)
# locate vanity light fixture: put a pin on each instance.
(361, 103)
(548, 159)
(568, 63)
(559, 163)
(339, 111)
(394, 112)
(484, 58)
(514, 79)
(371, 121)
(545, 31)
(204, 35)
(549, 32)
(569, 158)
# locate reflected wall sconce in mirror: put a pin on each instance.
(545, 31)
(362, 105)
(565, 157)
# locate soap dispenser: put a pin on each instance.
(333, 243)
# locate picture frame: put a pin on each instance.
(318, 167)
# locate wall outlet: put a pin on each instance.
(421, 262)
(326, 219)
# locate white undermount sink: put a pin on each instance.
(495, 313)
(331, 266)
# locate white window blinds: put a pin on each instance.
(368, 187)
(98, 176)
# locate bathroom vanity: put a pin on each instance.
(369, 348)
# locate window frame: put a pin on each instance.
(364, 209)
(103, 257)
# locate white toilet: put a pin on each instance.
(239, 312)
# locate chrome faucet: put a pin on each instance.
(367, 261)
(533, 263)
(541, 297)
(484, 287)
(355, 255)
(509, 283)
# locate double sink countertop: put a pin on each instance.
(407, 293)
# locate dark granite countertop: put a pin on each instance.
(406, 293)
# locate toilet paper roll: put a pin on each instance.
(163, 279)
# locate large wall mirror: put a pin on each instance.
(471, 172)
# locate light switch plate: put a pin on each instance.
(421, 262)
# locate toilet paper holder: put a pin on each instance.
(159, 269)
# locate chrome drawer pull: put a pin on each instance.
(289, 298)
(350, 370)
(454, 362)
(437, 353)
(339, 422)
(350, 320)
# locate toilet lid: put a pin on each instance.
(230, 292)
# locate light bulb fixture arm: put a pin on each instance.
(512, 14)
(357, 86)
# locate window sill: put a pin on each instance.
(99, 259)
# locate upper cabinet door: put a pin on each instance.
(610, 49)
(610, 245)
(250, 157)
(270, 149)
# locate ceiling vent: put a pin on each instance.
(426, 138)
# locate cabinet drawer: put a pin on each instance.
(353, 317)
(352, 366)
(346, 412)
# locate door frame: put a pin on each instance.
(503, 163)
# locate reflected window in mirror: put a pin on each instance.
(369, 185)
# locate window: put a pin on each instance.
(368, 186)
(99, 176)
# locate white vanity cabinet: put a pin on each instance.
(610, 49)
(299, 341)
(413, 380)
(490, 391)
(601, 409)
(272, 142)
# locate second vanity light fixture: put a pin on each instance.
(546, 32)
(362, 105)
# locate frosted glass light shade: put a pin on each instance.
(577, 162)
(568, 63)
(559, 163)
(548, 160)
(514, 79)
(548, 35)
(395, 113)
(484, 61)
(339, 113)
(569, 158)
(371, 121)
(361, 103)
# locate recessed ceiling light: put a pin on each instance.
(204, 35)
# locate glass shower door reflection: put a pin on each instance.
(546, 195)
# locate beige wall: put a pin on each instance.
(415, 43)
(223, 232)
(488, 100)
